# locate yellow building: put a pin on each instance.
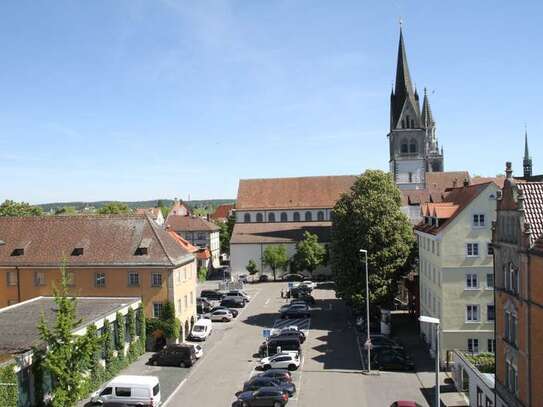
(116, 255)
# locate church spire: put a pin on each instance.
(527, 161)
(427, 118)
(403, 78)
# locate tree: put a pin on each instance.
(309, 253)
(114, 208)
(252, 267)
(202, 274)
(69, 357)
(225, 233)
(369, 217)
(275, 257)
(12, 208)
(165, 209)
(66, 210)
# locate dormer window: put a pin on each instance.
(19, 251)
(78, 251)
(143, 248)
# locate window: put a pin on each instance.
(247, 218)
(191, 298)
(473, 345)
(410, 177)
(99, 280)
(123, 391)
(78, 251)
(157, 309)
(488, 402)
(201, 236)
(510, 327)
(404, 148)
(284, 217)
(259, 217)
(271, 217)
(413, 146)
(490, 280)
(472, 313)
(308, 216)
(479, 220)
(156, 280)
(133, 279)
(511, 377)
(186, 302)
(472, 281)
(490, 314)
(507, 325)
(437, 248)
(433, 246)
(179, 308)
(489, 249)
(18, 252)
(296, 216)
(142, 251)
(11, 278)
(472, 249)
(491, 345)
(39, 278)
(320, 215)
(107, 391)
(479, 397)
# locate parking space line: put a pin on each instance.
(174, 392)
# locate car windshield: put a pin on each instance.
(198, 328)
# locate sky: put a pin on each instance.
(137, 100)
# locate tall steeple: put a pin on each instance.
(403, 89)
(427, 118)
(527, 161)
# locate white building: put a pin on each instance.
(277, 211)
(456, 279)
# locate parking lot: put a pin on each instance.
(330, 373)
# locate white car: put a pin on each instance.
(285, 360)
(222, 315)
(309, 284)
(198, 350)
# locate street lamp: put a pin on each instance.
(434, 321)
(368, 341)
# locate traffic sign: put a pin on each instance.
(266, 333)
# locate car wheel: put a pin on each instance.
(244, 404)
(267, 367)
(155, 363)
(292, 367)
(277, 404)
(225, 320)
(182, 364)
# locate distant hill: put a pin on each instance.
(206, 204)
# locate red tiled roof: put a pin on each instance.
(185, 244)
(203, 254)
(223, 211)
(532, 193)
(436, 184)
(454, 202)
(287, 193)
(153, 212)
(190, 224)
(107, 240)
(281, 232)
(499, 180)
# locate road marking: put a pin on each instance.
(174, 392)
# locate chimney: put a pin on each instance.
(455, 181)
(508, 170)
(466, 183)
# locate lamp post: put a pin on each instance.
(368, 340)
(434, 321)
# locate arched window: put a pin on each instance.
(296, 216)
(284, 217)
(413, 146)
(404, 147)
(259, 217)
(247, 218)
(308, 216)
(271, 217)
(407, 121)
(320, 215)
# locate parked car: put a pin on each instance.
(222, 315)
(280, 343)
(292, 277)
(290, 333)
(182, 355)
(381, 341)
(283, 375)
(300, 291)
(212, 295)
(238, 293)
(309, 284)
(392, 361)
(198, 350)
(263, 278)
(257, 382)
(133, 390)
(243, 278)
(201, 330)
(264, 397)
(233, 311)
(303, 299)
(233, 302)
(296, 311)
(405, 403)
(285, 360)
(203, 305)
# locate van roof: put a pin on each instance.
(133, 379)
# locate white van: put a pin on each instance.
(129, 390)
(201, 330)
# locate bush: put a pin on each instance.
(202, 274)
(485, 362)
(9, 392)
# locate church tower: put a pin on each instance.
(527, 161)
(414, 148)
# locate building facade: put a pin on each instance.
(199, 232)
(456, 269)
(116, 255)
(414, 148)
(518, 264)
